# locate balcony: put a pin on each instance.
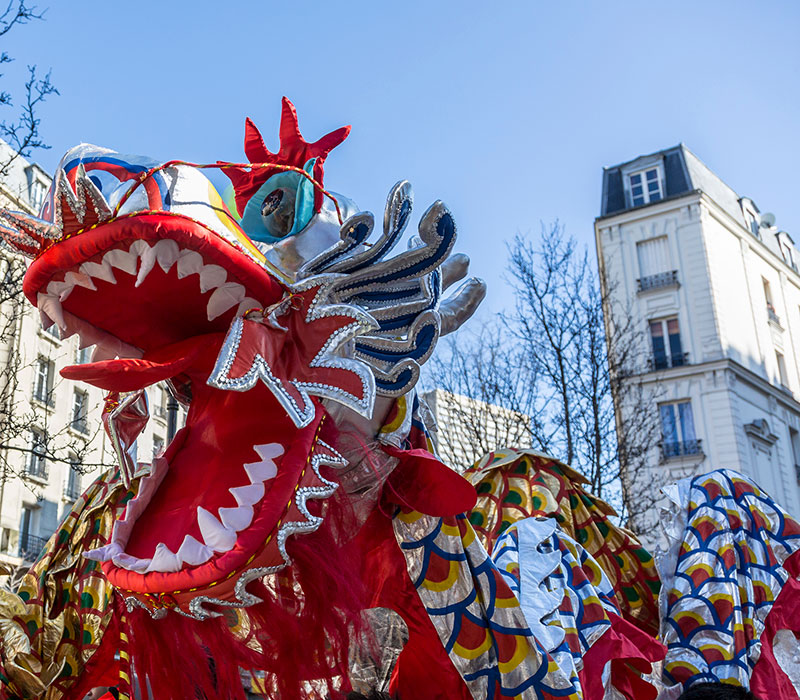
(72, 491)
(773, 316)
(662, 279)
(30, 546)
(687, 448)
(37, 469)
(657, 362)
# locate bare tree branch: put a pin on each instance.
(557, 366)
(22, 133)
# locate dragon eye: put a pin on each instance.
(277, 211)
(271, 202)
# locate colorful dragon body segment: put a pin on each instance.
(301, 491)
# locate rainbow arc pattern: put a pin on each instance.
(727, 575)
(514, 484)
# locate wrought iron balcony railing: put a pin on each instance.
(773, 316)
(662, 279)
(37, 469)
(30, 546)
(685, 448)
(666, 361)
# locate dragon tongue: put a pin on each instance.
(130, 374)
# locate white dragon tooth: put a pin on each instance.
(52, 307)
(236, 519)
(138, 247)
(104, 553)
(45, 319)
(122, 260)
(167, 252)
(247, 304)
(164, 560)
(126, 561)
(79, 279)
(101, 271)
(223, 298)
(248, 495)
(194, 552)
(57, 288)
(189, 263)
(71, 326)
(212, 276)
(148, 256)
(261, 471)
(102, 352)
(270, 450)
(89, 335)
(214, 533)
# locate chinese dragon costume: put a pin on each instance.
(303, 492)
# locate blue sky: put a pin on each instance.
(506, 111)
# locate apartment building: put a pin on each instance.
(715, 285)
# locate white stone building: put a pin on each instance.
(717, 289)
(466, 428)
(36, 491)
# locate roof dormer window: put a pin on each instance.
(38, 189)
(752, 216)
(645, 186)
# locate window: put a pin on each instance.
(645, 187)
(30, 546)
(80, 401)
(677, 430)
(37, 192)
(771, 313)
(786, 245)
(794, 444)
(72, 489)
(665, 337)
(43, 387)
(37, 465)
(160, 408)
(654, 264)
(782, 369)
(83, 356)
(752, 218)
(158, 446)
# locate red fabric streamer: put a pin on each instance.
(631, 653)
(768, 680)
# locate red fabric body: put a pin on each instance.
(424, 670)
(102, 670)
(631, 653)
(767, 679)
(421, 482)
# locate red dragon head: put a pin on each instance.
(145, 262)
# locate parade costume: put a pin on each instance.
(302, 491)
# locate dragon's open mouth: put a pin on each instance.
(154, 305)
(130, 286)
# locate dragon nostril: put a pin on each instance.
(271, 202)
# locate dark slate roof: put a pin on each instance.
(683, 171)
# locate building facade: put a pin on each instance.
(52, 444)
(466, 428)
(716, 287)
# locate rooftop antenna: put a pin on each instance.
(767, 220)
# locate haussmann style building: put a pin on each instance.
(714, 284)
